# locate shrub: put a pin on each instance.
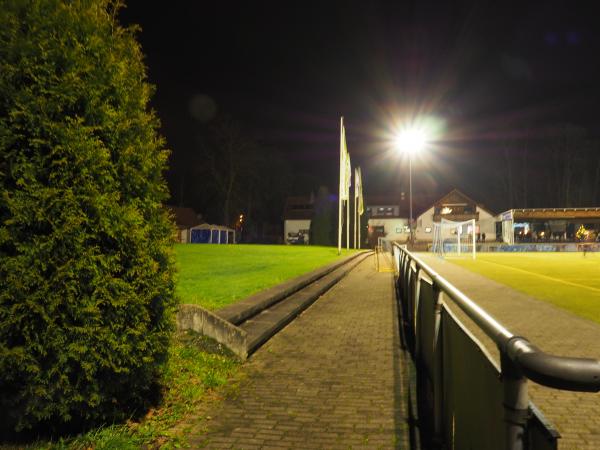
(86, 278)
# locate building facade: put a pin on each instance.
(297, 216)
(458, 207)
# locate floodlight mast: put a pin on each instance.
(411, 141)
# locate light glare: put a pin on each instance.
(411, 141)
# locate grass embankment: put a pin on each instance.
(567, 280)
(214, 276)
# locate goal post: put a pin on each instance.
(452, 238)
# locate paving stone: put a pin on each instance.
(332, 371)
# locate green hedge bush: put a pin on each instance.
(86, 271)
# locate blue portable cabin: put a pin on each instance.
(212, 234)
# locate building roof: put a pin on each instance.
(184, 217)
(554, 213)
(456, 196)
(298, 208)
(208, 226)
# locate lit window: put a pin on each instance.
(446, 210)
(427, 229)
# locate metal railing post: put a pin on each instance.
(438, 364)
(416, 305)
(516, 403)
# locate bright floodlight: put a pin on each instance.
(411, 141)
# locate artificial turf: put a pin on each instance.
(214, 276)
(567, 280)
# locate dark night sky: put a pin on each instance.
(288, 70)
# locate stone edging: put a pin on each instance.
(250, 306)
(196, 318)
(221, 325)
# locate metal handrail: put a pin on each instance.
(560, 372)
(519, 359)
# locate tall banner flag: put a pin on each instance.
(361, 202)
(356, 187)
(341, 191)
(359, 207)
(344, 189)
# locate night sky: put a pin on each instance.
(288, 70)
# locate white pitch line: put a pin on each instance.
(558, 280)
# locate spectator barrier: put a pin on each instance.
(465, 399)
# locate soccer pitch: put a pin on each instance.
(567, 280)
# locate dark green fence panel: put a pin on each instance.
(473, 414)
(425, 326)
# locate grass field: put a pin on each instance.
(216, 275)
(567, 280)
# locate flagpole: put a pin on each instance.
(361, 207)
(342, 170)
(355, 205)
(348, 222)
(359, 227)
(348, 215)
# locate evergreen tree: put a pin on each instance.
(323, 225)
(86, 273)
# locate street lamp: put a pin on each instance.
(410, 141)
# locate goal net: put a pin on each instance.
(452, 238)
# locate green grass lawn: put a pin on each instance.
(567, 280)
(214, 276)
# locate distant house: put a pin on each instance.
(297, 215)
(388, 217)
(458, 207)
(185, 219)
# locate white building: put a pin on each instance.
(458, 207)
(388, 218)
(297, 216)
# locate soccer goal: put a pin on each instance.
(452, 238)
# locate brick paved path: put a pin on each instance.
(331, 379)
(553, 330)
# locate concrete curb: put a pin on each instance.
(282, 313)
(222, 324)
(250, 306)
(196, 318)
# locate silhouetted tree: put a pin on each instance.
(559, 167)
(323, 225)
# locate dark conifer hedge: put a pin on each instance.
(86, 278)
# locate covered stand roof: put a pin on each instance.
(208, 226)
(553, 213)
